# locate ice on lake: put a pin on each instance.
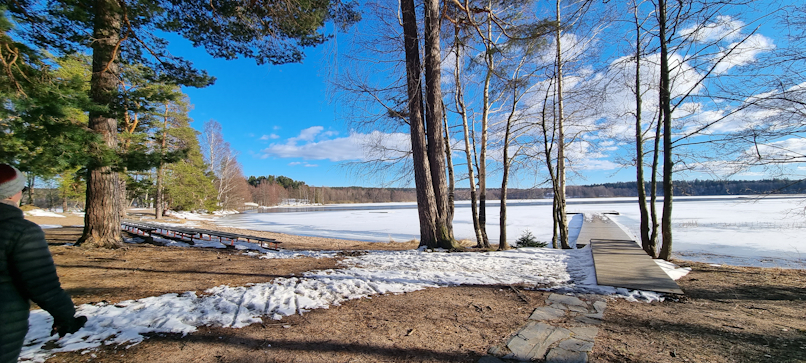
(744, 230)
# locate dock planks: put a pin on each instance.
(619, 260)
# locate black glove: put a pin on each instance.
(68, 327)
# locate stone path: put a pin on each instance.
(563, 331)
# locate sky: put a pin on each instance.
(281, 120)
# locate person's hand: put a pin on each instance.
(68, 327)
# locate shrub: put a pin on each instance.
(529, 240)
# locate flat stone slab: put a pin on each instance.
(559, 355)
(534, 340)
(547, 313)
(576, 345)
(620, 261)
(587, 333)
(566, 300)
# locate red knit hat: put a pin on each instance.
(12, 180)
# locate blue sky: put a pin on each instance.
(282, 121)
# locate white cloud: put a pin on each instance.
(792, 149)
(736, 54)
(313, 144)
(270, 137)
(310, 133)
(724, 28)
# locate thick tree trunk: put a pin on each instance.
(433, 117)
(102, 220)
(422, 176)
(560, 192)
(665, 104)
(647, 244)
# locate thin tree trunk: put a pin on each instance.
(102, 220)
(483, 152)
(653, 185)
(646, 243)
(665, 104)
(451, 177)
(433, 119)
(550, 166)
(502, 222)
(422, 176)
(460, 101)
(560, 193)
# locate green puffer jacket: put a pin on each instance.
(27, 273)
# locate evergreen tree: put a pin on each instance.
(118, 32)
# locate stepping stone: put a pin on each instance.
(578, 308)
(547, 313)
(600, 306)
(557, 335)
(599, 315)
(588, 320)
(534, 340)
(586, 333)
(565, 299)
(559, 355)
(576, 345)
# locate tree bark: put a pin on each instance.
(433, 119)
(460, 101)
(102, 220)
(451, 177)
(482, 162)
(647, 244)
(159, 203)
(560, 192)
(422, 175)
(665, 104)
(503, 245)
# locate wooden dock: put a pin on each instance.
(619, 260)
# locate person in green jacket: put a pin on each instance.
(27, 272)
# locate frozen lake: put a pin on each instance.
(735, 230)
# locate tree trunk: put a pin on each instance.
(550, 167)
(560, 192)
(646, 243)
(102, 220)
(30, 193)
(451, 177)
(433, 119)
(422, 176)
(653, 185)
(665, 104)
(460, 102)
(502, 221)
(483, 150)
(159, 204)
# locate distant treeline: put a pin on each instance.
(299, 190)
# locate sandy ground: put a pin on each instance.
(729, 314)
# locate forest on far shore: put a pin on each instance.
(272, 191)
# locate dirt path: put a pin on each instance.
(729, 314)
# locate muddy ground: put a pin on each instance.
(729, 314)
